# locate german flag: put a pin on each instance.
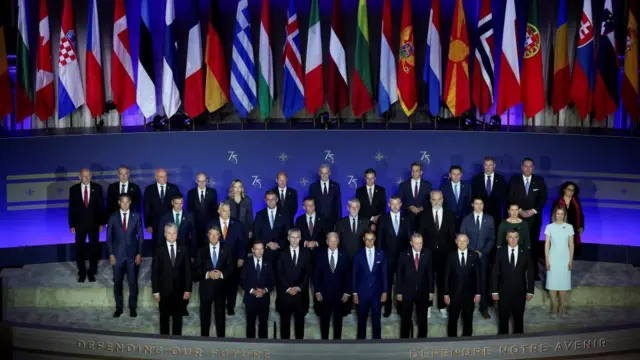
(217, 81)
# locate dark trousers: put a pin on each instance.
(366, 305)
(218, 313)
(461, 306)
(406, 315)
(293, 306)
(439, 265)
(537, 246)
(258, 309)
(331, 310)
(171, 307)
(90, 250)
(508, 307)
(201, 235)
(391, 272)
(120, 269)
(484, 283)
(231, 288)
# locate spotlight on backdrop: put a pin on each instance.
(469, 122)
(495, 122)
(326, 120)
(158, 122)
(108, 106)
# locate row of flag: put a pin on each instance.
(593, 85)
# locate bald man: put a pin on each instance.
(157, 202)
(86, 219)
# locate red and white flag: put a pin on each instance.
(338, 95)
(122, 80)
(45, 100)
(509, 83)
(95, 86)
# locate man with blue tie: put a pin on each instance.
(457, 195)
(124, 243)
(369, 284)
(271, 226)
(257, 279)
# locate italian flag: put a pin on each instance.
(265, 79)
(362, 88)
(24, 85)
(313, 85)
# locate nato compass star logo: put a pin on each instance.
(211, 182)
(379, 156)
(60, 191)
(283, 157)
(399, 180)
(29, 192)
(425, 157)
(233, 157)
(304, 181)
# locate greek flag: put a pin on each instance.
(243, 77)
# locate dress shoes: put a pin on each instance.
(133, 313)
(231, 312)
(486, 315)
(117, 313)
(81, 278)
(92, 278)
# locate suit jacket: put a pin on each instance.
(462, 282)
(442, 241)
(113, 196)
(391, 243)
(242, 212)
(262, 228)
(509, 282)
(249, 280)
(168, 280)
(125, 244)
(351, 242)
(85, 217)
(537, 197)
(154, 208)
(320, 229)
(411, 282)
(369, 284)
(236, 239)
(494, 203)
(294, 275)
(482, 240)
(186, 231)
(330, 205)
(405, 192)
(204, 263)
(203, 212)
(461, 207)
(379, 204)
(332, 285)
(290, 205)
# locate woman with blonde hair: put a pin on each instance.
(241, 206)
(558, 251)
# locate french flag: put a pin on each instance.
(95, 88)
(433, 64)
(584, 79)
(194, 76)
(70, 92)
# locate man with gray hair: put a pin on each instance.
(202, 202)
(326, 192)
(351, 228)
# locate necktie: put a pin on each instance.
(417, 261)
(437, 221)
(489, 185)
(178, 220)
(478, 222)
(310, 225)
(202, 196)
(282, 195)
(258, 269)
(396, 224)
(324, 191)
(295, 258)
(123, 190)
(124, 221)
(161, 193)
(173, 256)
(513, 258)
(225, 229)
(456, 192)
(86, 196)
(271, 219)
(370, 195)
(370, 258)
(415, 191)
(353, 225)
(462, 263)
(214, 257)
(526, 186)
(332, 263)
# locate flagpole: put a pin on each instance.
(362, 120)
(558, 120)
(508, 119)
(484, 122)
(217, 116)
(120, 120)
(410, 123)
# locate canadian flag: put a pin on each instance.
(45, 100)
(122, 80)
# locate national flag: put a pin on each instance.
(630, 84)
(314, 78)
(216, 93)
(456, 87)
(387, 88)
(583, 80)
(45, 98)
(433, 63)
(70, 92)
(509, 83)
(265, 80)
(605, 98)
(532, 80)
(338, 96)
(170, 91)
(482, 89)
(243, 77)
(194, 79)
(293, 94)
(24, 85)
(362, 88)
(561, 74)
(6, 100)
(407, 63)
(93, 57)
(146, 84)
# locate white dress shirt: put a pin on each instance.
(493, 179)
(201, 193)
(371, 190)
(351, 218)
(177, 213)
(464, 253)
(282, 191)
(524, 182)
(413, 187)
(335, 256)
(175, 251)
(297, 250)
(159, 191)
(415, 253)
(88, 187)
(217, 250)
(126, 187)
(515, 256)
(122, 216)
(323, 184)
(475, 216)
(255, 263)
(439, 212)
(222, 224)
(311, 217)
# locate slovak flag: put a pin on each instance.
(584, 77)
(70, 92)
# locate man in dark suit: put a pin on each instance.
(327, 195)
(480, 230)
(293, 272)
(157, 202)
(124, 244)
(86, 219)
(185, 223)
(312, 226)
(457, 195)
(332, 286)
(202, 202)
(462, 286)
(437, 227)
(287, 196)
(414, 287)
(530, 192)
(372, 198)
(512, 283)
(214, 264)
(123, 186)
(271, 226)
(492, 187)
(394, 231)
(369, 285)
(414, 194)
(257, 279)
(171, 281)
(351, 228)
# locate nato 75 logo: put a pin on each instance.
(328, 156)
(233, 157)
(257, 181)
(353, 181)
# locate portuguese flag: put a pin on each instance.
(532, 81)
(361, 89)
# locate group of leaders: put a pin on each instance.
(429, 239)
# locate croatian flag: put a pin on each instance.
(293, 97)
(170, 93)
(584, 77)
(433, 64)
(70, 92)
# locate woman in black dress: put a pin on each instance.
(569, 199)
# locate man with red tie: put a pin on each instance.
(414, 194)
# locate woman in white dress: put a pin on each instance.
(558, 251)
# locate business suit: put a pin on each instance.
(204, 209)
(494, 200)
(171, 281)
(125, 245)
(406, 194)
(212, 291)
(332, 285)
(186, 231)
(512, 286)
(319, 233)
(263, 231)
(113, 197)
(290, 203)
(350, 241)
(290, 275)
(86, 220)
(482, 240)
(235, 243)
(393, 245)
(461, 206)
(243, 212)
(415, 285)
(327, 205)
(462, 284)
(257, 307)
(369, 285)
(377, 205)
(440, 242)
(155, 208)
